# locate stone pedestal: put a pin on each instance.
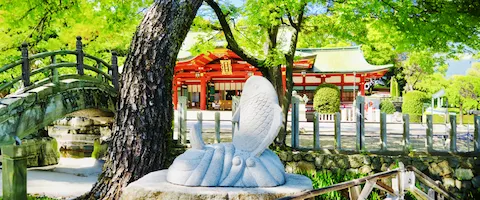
(155, 186)
(14, 172)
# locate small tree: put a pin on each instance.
(386, 106)
(327, 99)
(394, 91)
(413, 104)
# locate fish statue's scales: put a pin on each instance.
(246, 162)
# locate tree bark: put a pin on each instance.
(143, 123)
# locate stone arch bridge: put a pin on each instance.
(90, 92)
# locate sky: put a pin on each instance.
(459, 67)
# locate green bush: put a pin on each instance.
(386, 106)
(413, 105)
(394, 90)
(327, 99)
(99, 150)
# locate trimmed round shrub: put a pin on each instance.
(386, 106)
(413, 104)
(327, 99)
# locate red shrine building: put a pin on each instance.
(210, 80)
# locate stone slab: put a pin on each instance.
(155, 186)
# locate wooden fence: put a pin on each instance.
(359, 135)
(360, 145)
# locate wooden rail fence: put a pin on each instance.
(360, 145)
(402, 180)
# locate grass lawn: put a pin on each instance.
(440, 119)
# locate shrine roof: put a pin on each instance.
(340, 60)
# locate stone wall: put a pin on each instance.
(458, 174)
(41, 151)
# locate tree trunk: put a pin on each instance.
(143, 122)
(282, 136)
(461, 113)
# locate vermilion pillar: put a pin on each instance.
(362, 85)
(175, 94)
(203, 94)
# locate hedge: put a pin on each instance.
(327, 99)
(386, 106)
(413, 104)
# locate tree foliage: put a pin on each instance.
(104, 25)
(430, 84)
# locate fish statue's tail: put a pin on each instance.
(196, 137)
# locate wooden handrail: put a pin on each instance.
(430, 182)
(79, 64)
(98, 60)
(376, 177)
(340, 186)
(37, 56)
(54, 66)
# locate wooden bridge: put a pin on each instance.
(45, 94)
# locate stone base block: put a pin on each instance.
(155, 186)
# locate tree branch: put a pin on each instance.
(232, 43)
(293, 44)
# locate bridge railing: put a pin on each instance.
(25, 62)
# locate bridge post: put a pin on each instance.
(25, 65)
(54, 71)
(114, 70)
(14, 172)
(99, 66)
(79, 56)
(406, 132)
(453, 133)
(476, 134)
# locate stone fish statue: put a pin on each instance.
(246, 162)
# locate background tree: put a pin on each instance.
(430, 84)
(271, 18)
(464, 92)
(474, 70)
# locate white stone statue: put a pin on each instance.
(305, 98)
(246, 162)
